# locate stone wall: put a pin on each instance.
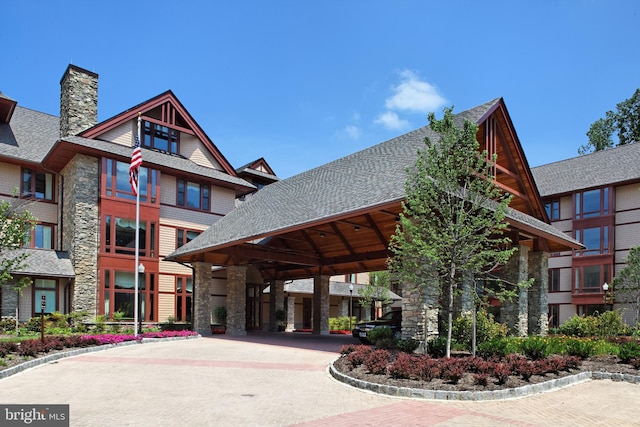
(80, 229)
(420, 311)
(321, 305)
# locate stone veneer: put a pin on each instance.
(420, 310)
(515, 313)
(276, 302)
(78, 101)
(80, 229)
(321, 305)
(236, 299)
(201, 298)
(538, 293)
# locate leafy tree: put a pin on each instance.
(453, 217)
(376, 290)
(16, 224)
(627, 282)
(625, 122)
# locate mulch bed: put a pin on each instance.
(609, 364)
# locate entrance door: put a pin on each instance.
(306, 313)
(254, 307)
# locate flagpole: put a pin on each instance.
(135, 272)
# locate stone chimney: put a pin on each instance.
(78, 101)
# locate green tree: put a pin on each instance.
(376, 290)
(453, 217)
(16, 223)
(627, 282)
(624, 122)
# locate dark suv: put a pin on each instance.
(392, 319)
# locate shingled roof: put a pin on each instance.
(29, 135)
(43, 262)
(606, 167)
(372, 177)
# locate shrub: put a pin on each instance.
(341, 323)
(30, 348)
(403, 366)
(487, 329)
(580, 347)
(610, 324)
(7, 347)
(481, 379)
(493, 349)
(534, 348)
(629, 350)
(346, 349)
(7, 324)
(579, 326)
(33, 324)
(452, 370)
(437, 347)
(382, 337)
(356, 357)
(427, 368)
(502, 371)
(408, 345)
(58, 320)
(572, 362)
(376, 361)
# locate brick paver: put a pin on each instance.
(279, 379)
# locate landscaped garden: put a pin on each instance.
(20, 343)
(594, 343)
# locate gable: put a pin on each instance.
(497, 135)
(164, 111)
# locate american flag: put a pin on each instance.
(136, 161)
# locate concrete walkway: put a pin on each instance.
(277, 380)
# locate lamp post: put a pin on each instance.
(350, 304)
(607, 298)
(138, 320)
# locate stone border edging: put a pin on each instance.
(64, 354)
(510, 393)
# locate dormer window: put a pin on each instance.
(161, 138)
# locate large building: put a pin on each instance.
(594, 198)
(74, 172)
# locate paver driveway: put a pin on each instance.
(277, 379)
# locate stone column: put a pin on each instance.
(515, 313)
(344, 308)
(420, 310)
(276, 302)
(321, 305)
(291, 314)
(202, 298)
(81, 229)
(538, 292)
(467, 297)
(236, 300)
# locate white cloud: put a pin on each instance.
(390, 120)
(413, 94)
(352, 131)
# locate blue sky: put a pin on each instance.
(305, 82)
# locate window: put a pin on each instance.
(184, 293)
(193, 195)
(45, 288)
(41, 237)
(162, 138)
(553, 209)
(120, 236)
(592, 203)
(589, 278)
(596, 240)
(554, 315)
(119, 294)
(554, 279)
(38, 185)
(117, 181)
(185, 236)
(350, 278)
